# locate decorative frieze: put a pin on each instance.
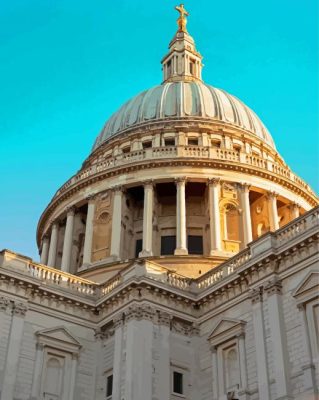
(140, 312)
(274, 287)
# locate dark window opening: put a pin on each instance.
(169, 66)
(168, 245)
(178, 382)
(191, 68)
(138, 247)
(147, 145)
(169, 142)
(193, 142)
(195, 244)
(126, 149)
(216, 143)
(109, 386)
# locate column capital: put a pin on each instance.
(274, 287)
(180, 180)
(164, 318)
(54, 222)
(272, 195)
(294, 205)
(46, 236)
(213, 182)
(118, 320)
(4, 303)
(39, 346)
(256, 295)
(245, 187)
(70, 210)
(19, 309)
(117, 189)
(148, 183)
(91, 197)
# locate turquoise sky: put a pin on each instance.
(65, 66)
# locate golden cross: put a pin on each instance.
(182, 21)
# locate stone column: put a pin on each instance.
(278, 339)
(53, 244)
(37, 372)
(260, 344)
(181, 247)
(294, 210)
(68, 241)
(147, 220)
(13, 351)
(117, 361)
(246, 217)
(139, 353)
(164, 355)
(45, 250)
(116, 222)
(272, 211)
(87, 248)
(214, 216)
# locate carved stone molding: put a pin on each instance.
(272, 195)
(140, 312)
(19, 309)
(70, 210)
(245, 187)
(274, 287)
(91, 197)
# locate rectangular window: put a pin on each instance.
(147, 145)
(178, 383)
(109, 386)
(169, 142)
(138, 247)
(168, 245)
(195, 244)
(126, 149)
(191, 68)
(193, 142)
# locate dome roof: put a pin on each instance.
(176, 100)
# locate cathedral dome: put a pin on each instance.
(186, 100)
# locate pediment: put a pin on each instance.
(308, 287)
(226, 329)
(59, 335)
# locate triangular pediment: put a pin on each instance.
(308, 286)
(59, 334)
(227, 327)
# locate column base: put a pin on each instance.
(145, 253)
(181, 252)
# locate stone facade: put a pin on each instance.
(246, 329)
(180, 262)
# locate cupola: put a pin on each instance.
(183, 62)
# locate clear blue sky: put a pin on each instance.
(66, 65)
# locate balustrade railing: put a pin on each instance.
(183, 151)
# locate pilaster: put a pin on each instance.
(12, 359)
(278, 338)
(87, 249)
(148, 220)
(68, 240)
(260, 344)
(53, 244)
(116, 222)
(214, 215)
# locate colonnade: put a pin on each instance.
(49, 245)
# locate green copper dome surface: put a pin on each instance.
(183, 100)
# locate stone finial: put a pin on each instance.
(182, 20)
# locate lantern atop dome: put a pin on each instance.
(183, 62)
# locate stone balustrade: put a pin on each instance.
(199, 152)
